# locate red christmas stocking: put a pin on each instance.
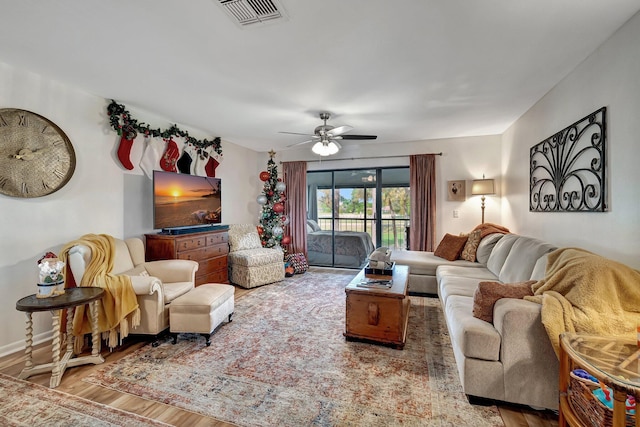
(211, 166)
(170, 156)
(124, 149)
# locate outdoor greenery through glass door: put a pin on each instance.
(375, 201)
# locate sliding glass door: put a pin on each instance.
(353, 211)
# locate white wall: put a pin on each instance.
(101, 197)
(609, 77)
(465, 158)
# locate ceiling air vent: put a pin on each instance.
(248, 12)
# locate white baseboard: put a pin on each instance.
(20, 345)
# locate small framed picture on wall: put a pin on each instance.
(456, 191)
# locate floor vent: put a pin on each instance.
(248, 12)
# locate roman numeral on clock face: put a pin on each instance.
(3, 181)
(23, 120)
(45, 185)
(25, 189)
(57, 173)
(3, 122)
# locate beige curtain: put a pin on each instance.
(295, 177)
(422, 181)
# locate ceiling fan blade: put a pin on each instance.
(339, 130)
(297, 133)
(360, 137)
(299, 143)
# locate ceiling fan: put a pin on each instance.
(326, 137)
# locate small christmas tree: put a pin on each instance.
(272, 217)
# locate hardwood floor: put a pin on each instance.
(513, 416)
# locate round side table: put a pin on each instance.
(71, 298)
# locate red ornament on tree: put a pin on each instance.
(286, 240)
(278, 208)
(264, 175)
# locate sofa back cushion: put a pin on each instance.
(499, 253)
(486, 246)
(522, 259)
(122, 259)
(540, 269)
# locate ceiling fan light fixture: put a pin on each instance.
(325, 148)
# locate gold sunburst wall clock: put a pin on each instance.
(36, 156)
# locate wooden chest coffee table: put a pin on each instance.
(378, 315)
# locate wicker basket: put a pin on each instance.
(588, 408)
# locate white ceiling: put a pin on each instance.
(404, 70)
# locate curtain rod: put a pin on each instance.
(363, 158)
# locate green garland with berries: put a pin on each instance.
(121, 121)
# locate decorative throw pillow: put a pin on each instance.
(470, 248)
(488, 293)
(239, 242)
(450, 247)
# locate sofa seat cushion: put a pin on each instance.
(475, 338)
(480, 273)
(176, 289)
(457, 285)
(255, 257)
(425, 263)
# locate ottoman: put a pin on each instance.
(201, 310)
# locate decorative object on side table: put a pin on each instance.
(50, 278)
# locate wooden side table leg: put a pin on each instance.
(95, 334)
(69, 330)
(28, 351)
(55, 371)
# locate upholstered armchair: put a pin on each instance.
(156, 283)
(250, 264)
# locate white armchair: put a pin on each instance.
(156, 283)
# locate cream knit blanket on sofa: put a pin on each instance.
(585, 293)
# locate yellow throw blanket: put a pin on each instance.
(118, 310)
(585, 293)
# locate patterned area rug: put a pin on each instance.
(27, 404)
(284, 361)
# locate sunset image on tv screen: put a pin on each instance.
(184, 200)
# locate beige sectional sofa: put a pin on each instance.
(511, 359)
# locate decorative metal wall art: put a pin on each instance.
(567, 170)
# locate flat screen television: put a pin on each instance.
(182, 201)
